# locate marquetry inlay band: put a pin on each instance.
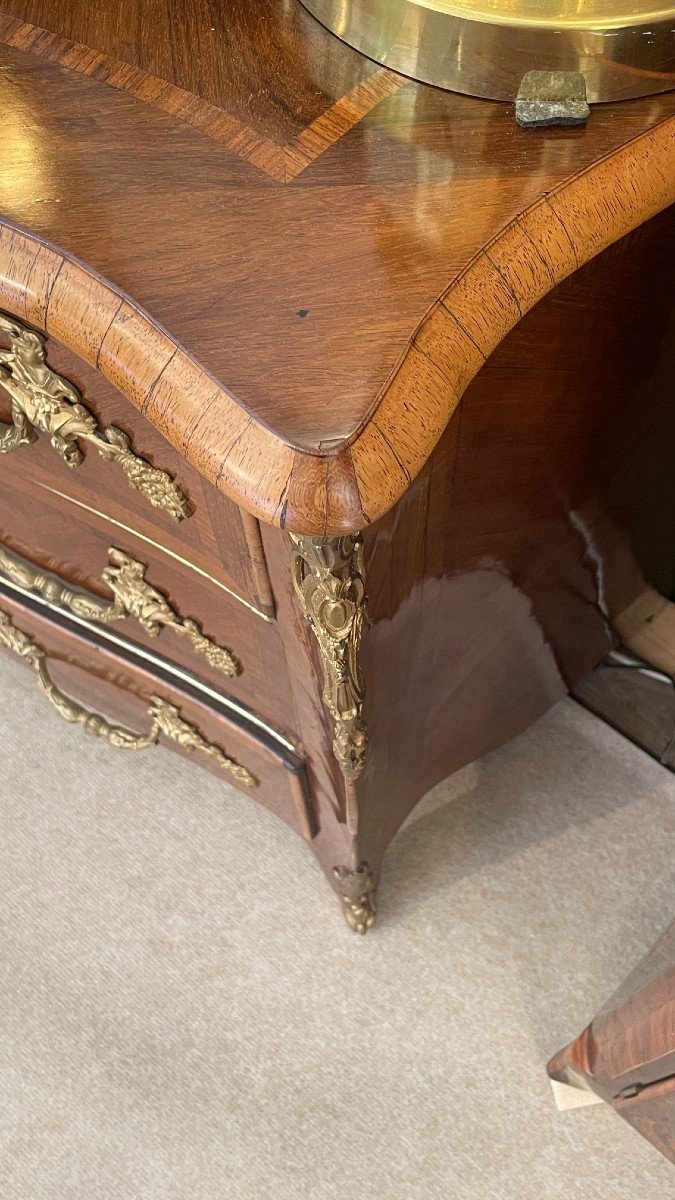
(368, 472)
(281, 162)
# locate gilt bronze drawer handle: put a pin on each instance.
(45, 402)
(134, 597)
(165, 718)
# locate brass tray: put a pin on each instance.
(623, 48)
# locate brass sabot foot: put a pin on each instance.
(357, 892)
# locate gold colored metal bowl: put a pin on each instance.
(623, 48)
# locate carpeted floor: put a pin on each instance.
(185, 1017)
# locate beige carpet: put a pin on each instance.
(186, 1018)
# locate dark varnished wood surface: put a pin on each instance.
(629, 1047)
(637, 705)
(208, 50)
(214, 538)
(73, 544)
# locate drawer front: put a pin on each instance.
(93, 445)
(174, 606)
(95, 680)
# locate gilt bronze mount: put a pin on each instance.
(133, 597)
(357, 892)
(328, 580)
(44, 402)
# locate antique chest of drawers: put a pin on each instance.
(337, 410)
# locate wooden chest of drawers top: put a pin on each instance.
(321, 250)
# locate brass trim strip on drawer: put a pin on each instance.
(158, 664)
(165, 718)
(185, 562)
(134, 597)
(45, 402)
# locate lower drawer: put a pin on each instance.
(135, 699)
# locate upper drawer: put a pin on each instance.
(94, 446)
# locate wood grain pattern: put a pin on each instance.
(502, 283)
(300, 299)
(629, 1047)
(334, 843)
(210, 51)
(490, 582)
(281, 162)
(638, 706)
(73, 543)
(365, 475)
(218, 539)
(371, 332)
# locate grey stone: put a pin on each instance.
(551, 98)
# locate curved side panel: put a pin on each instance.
(546, 512)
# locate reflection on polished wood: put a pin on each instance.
(626, 1055)
(157, 546)
(282, 162)
(622, 47)
(367, 238)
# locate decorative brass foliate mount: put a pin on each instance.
(357, 892)
(328, 576)
(165, 718)
(134, 597)
(45, 402)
